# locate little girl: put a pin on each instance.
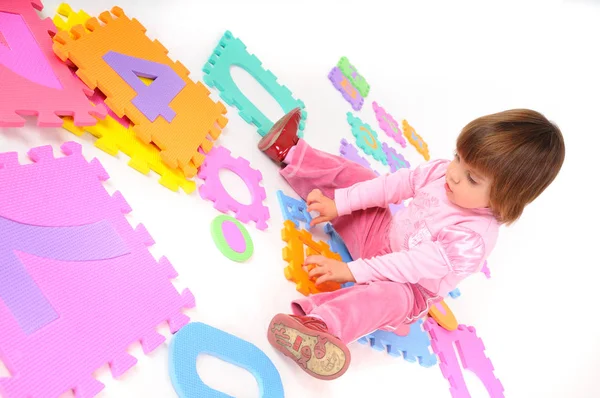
(404, 263)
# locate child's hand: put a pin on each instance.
(326, 207)
(328, 269)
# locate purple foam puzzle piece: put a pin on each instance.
(350, 152)
(74, 255)
(152, 100)
(395, 160)
(349, 92)
(472, 356)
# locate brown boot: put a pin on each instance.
(282, 137)
(308, 342)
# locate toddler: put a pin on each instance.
(404, 263)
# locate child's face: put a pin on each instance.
(465, 187)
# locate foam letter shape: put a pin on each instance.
(356, 79)
(232, 51)
(366, 138)
(348, 91)
(196, 116)
(33, 80)
(472, 355)
(198, 338)
(415, 139)
(394, 159)
(294, 210)
(388, 124)
(152, 100)
(98, 241)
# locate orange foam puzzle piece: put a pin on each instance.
(415, 139)
(442, 314)
(293, 254)
(196, 116)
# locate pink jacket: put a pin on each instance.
(435, 243)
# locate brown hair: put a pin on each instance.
(520, 150)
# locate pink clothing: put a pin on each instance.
(402, 263)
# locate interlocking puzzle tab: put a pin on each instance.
(173, 112)
(294, 210)
(115, 134)
(349, 151)
(415, 139)
(80, 285)
(388, 124)
(412, 347)
(34, 81)
(472, 356)
(366, 138)
(293, 254)
(231, 51)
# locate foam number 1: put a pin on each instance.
(415, 139)
(154, 99)
(198, 338)
(18, 290)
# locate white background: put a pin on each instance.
(439, 65)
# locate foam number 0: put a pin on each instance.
(366, 138)
(152, 100)
(198, 338)
(231, 51)
(19, 291)
(415, 139)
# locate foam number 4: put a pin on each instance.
(415, 139)
(32, 310)
(198, 338)
(152, 100)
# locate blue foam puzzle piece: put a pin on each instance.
(412, 347)
(454, 293)
(294, 210)
(231, 51)
(336, 243)
(198, 338)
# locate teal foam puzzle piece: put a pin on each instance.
(366, 138)
(231, 51)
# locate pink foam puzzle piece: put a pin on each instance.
(78, 284)
(472, 356)
(34, 80)
(486, 270)
(388, 124)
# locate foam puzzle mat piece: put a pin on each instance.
(454, 293)
(196, 118)
(34, 81)
(213, 189)
(349, 151)
(231, 238)
(77, 262)
(294, 210)
(366, 138)
(293, 254)
(357, 80)
(395, 160)
(472, 356)
(443, 315)
(389, 125)
(412, 347)
(231, 51)
(486, 270)
(66, 17)
(343, 85)
(198, 338)
(415, 139)
(337, 243)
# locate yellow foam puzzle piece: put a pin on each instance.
(113, 137)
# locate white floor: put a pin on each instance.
(438, 65)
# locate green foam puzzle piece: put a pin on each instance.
(232, 51)
(366, 138)
(357, 80)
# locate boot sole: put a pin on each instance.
(298, 342)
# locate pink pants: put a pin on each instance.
(352, 312)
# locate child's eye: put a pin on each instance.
(471, 180)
